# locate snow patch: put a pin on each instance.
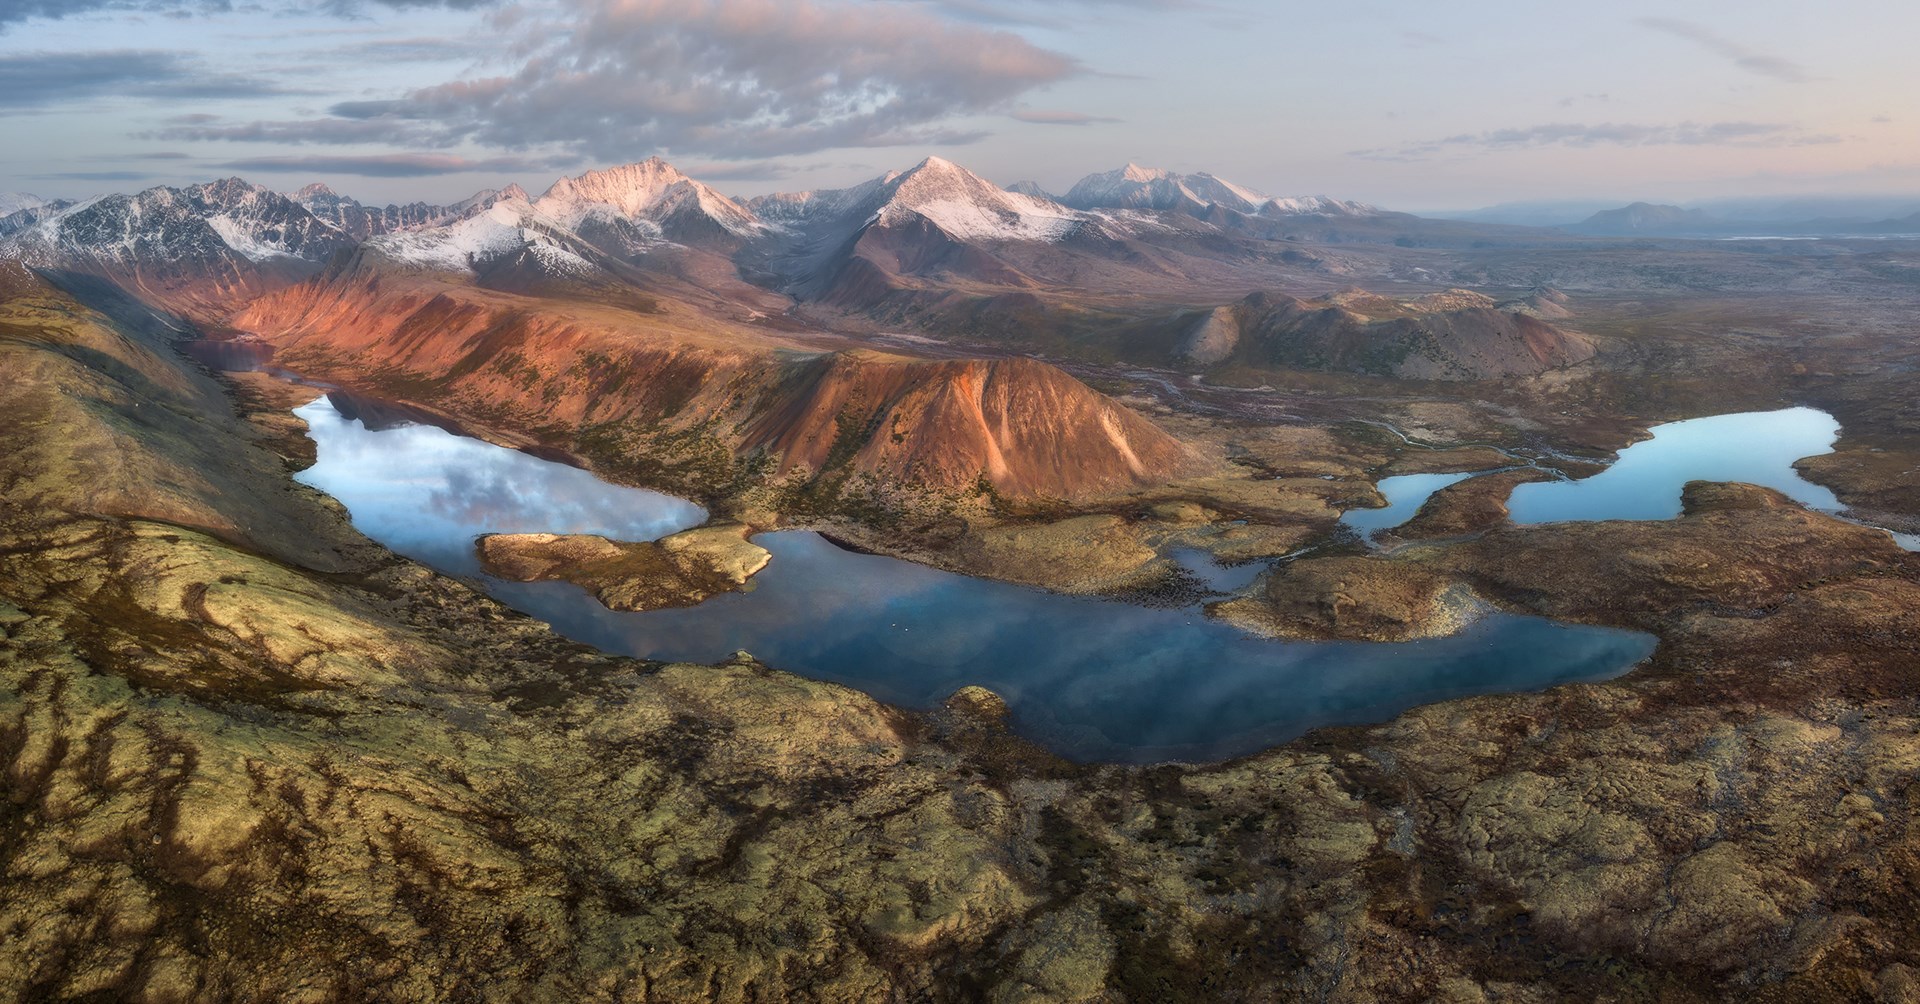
(235, 235)
(13, 202)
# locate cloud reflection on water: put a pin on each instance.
(1091, 679)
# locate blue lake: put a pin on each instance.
(1645, 481)
(1757, 447)
(1090, 679)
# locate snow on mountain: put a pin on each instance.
(261, 223)
(1136, 187)
(178, 226)
(969, 207)
(962, 204)
(653, 191)
(1032, 188)
(30, 216)
(362, 221)
(790, 210)
(13, 202)
(1316, 205)
(236, 234)
(509, 226)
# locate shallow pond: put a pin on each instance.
(1405, 494)
(1757, 447)
(1645, 481)
(1091, 679)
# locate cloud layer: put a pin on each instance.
(391, 165)
(1573, 134)
(38, 79)
(16, 11)
(728, 79)
(1761, 64)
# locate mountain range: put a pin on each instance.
(1833, 216)
(639, 306)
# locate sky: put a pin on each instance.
(1408, 105)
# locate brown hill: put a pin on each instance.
(1029, 427)
(1454, 335)
(677, 379)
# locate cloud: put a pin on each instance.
(92, 176)
(390, 165)
(1049, 13)
(409, 50)
(297, 132)
(728, 79)
(1047, 116)
(750, 170)
(38, 79)
(1563, 134)
(1756, 63)
(14, 11)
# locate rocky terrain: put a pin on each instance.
(247, 754)
(681, 570)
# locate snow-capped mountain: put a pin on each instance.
(26, 217)
(261, 223)
(1136, 187)
(968, 207)
(961, 204)
(508, 230)
(1316, 205)
(361, 221)
(647, 229)
(1032, 188)
(648, 200)
(199, 250)
(179, 226)
(13, 202)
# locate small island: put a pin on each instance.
(682, 570)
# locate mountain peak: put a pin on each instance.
(13, 202)
(630, 188)
(939, 180)
(1137, 187)
(651, 190)
(967, 206)
(316, 190)
(939, 168)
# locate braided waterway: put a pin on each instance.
(1091, 679)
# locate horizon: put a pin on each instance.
(1578, 207)
(392, 102)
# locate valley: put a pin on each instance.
(227, 690)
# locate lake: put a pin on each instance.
(1645, 481)
(1091, 679)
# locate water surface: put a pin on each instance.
(1757, 447)
(1091, 679)
(1645, 481)
(1405, 494)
